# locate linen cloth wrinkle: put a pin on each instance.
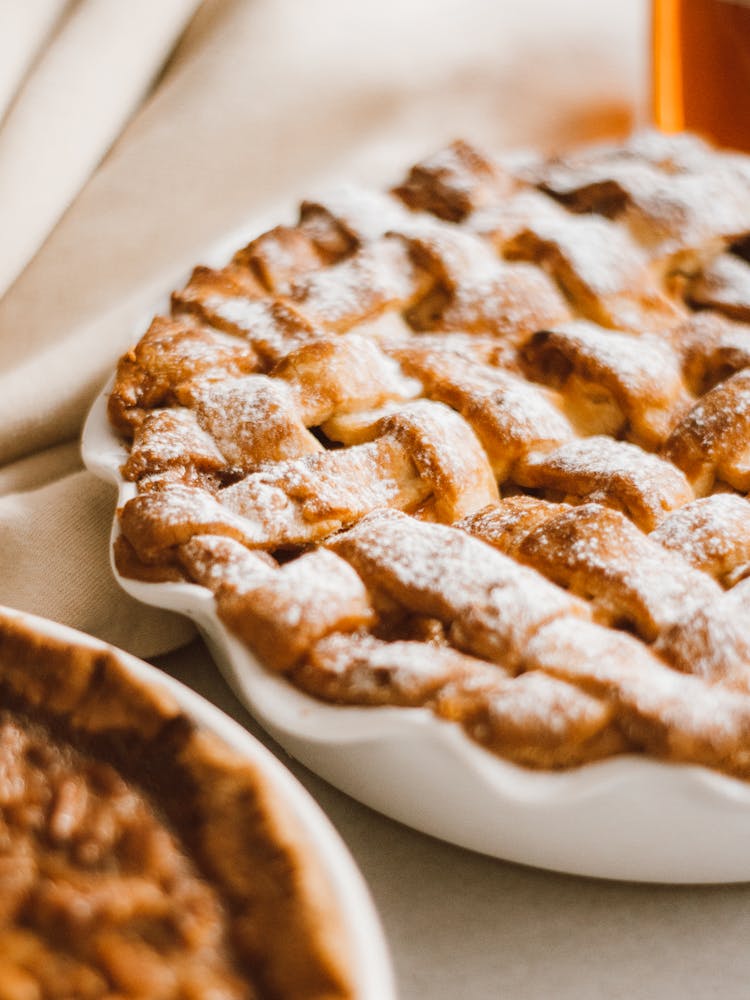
(24, 28)
(84, 86)
(54, 561)
(263, 103)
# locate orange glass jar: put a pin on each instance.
(701, 68)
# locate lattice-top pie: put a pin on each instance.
(480, 444)
(139, 855)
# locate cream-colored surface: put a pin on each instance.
(93, 72)
(263, 100)
(24, 28)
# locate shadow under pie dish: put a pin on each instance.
(151, 847)
(474, 452)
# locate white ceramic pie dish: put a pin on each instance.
(370, 959)
(628, 817)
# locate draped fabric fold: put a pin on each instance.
(85, 85)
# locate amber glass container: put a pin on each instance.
(701, 68)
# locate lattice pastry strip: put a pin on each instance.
(712, 349)
(234, 281)
(270, 326)
(360, 669)
(712, 534)
(171, 352)
(678, 717)
(474, 290)
(712, 442)
(510, 416)
(156, 522)
(379, 276)
(421, 453)
(603, 272)
(342, 375)
(360, 214)
(279, 611)
(303, 501)
(678, 199)
(512, 718)
(508, 714)
(490, 603)
(724, 284)
(223, 564)
(600, 555)
(684, 219)
(423, 456)
(505, 525)
(256, 418)
(171, 440)
(279, 256)
(713, 641)
(453, 183)
(613, 473)
(613, 383)
(252, 419)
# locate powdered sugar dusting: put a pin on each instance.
(377, 276)
(491, 602)
(599, 468)
(364, 213)
(712, 534)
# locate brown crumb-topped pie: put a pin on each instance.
(140, 856)
(480, 445)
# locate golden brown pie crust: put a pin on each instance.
(480, 444)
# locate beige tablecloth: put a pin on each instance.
(262, 100)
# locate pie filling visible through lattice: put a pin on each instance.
(479, 445)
